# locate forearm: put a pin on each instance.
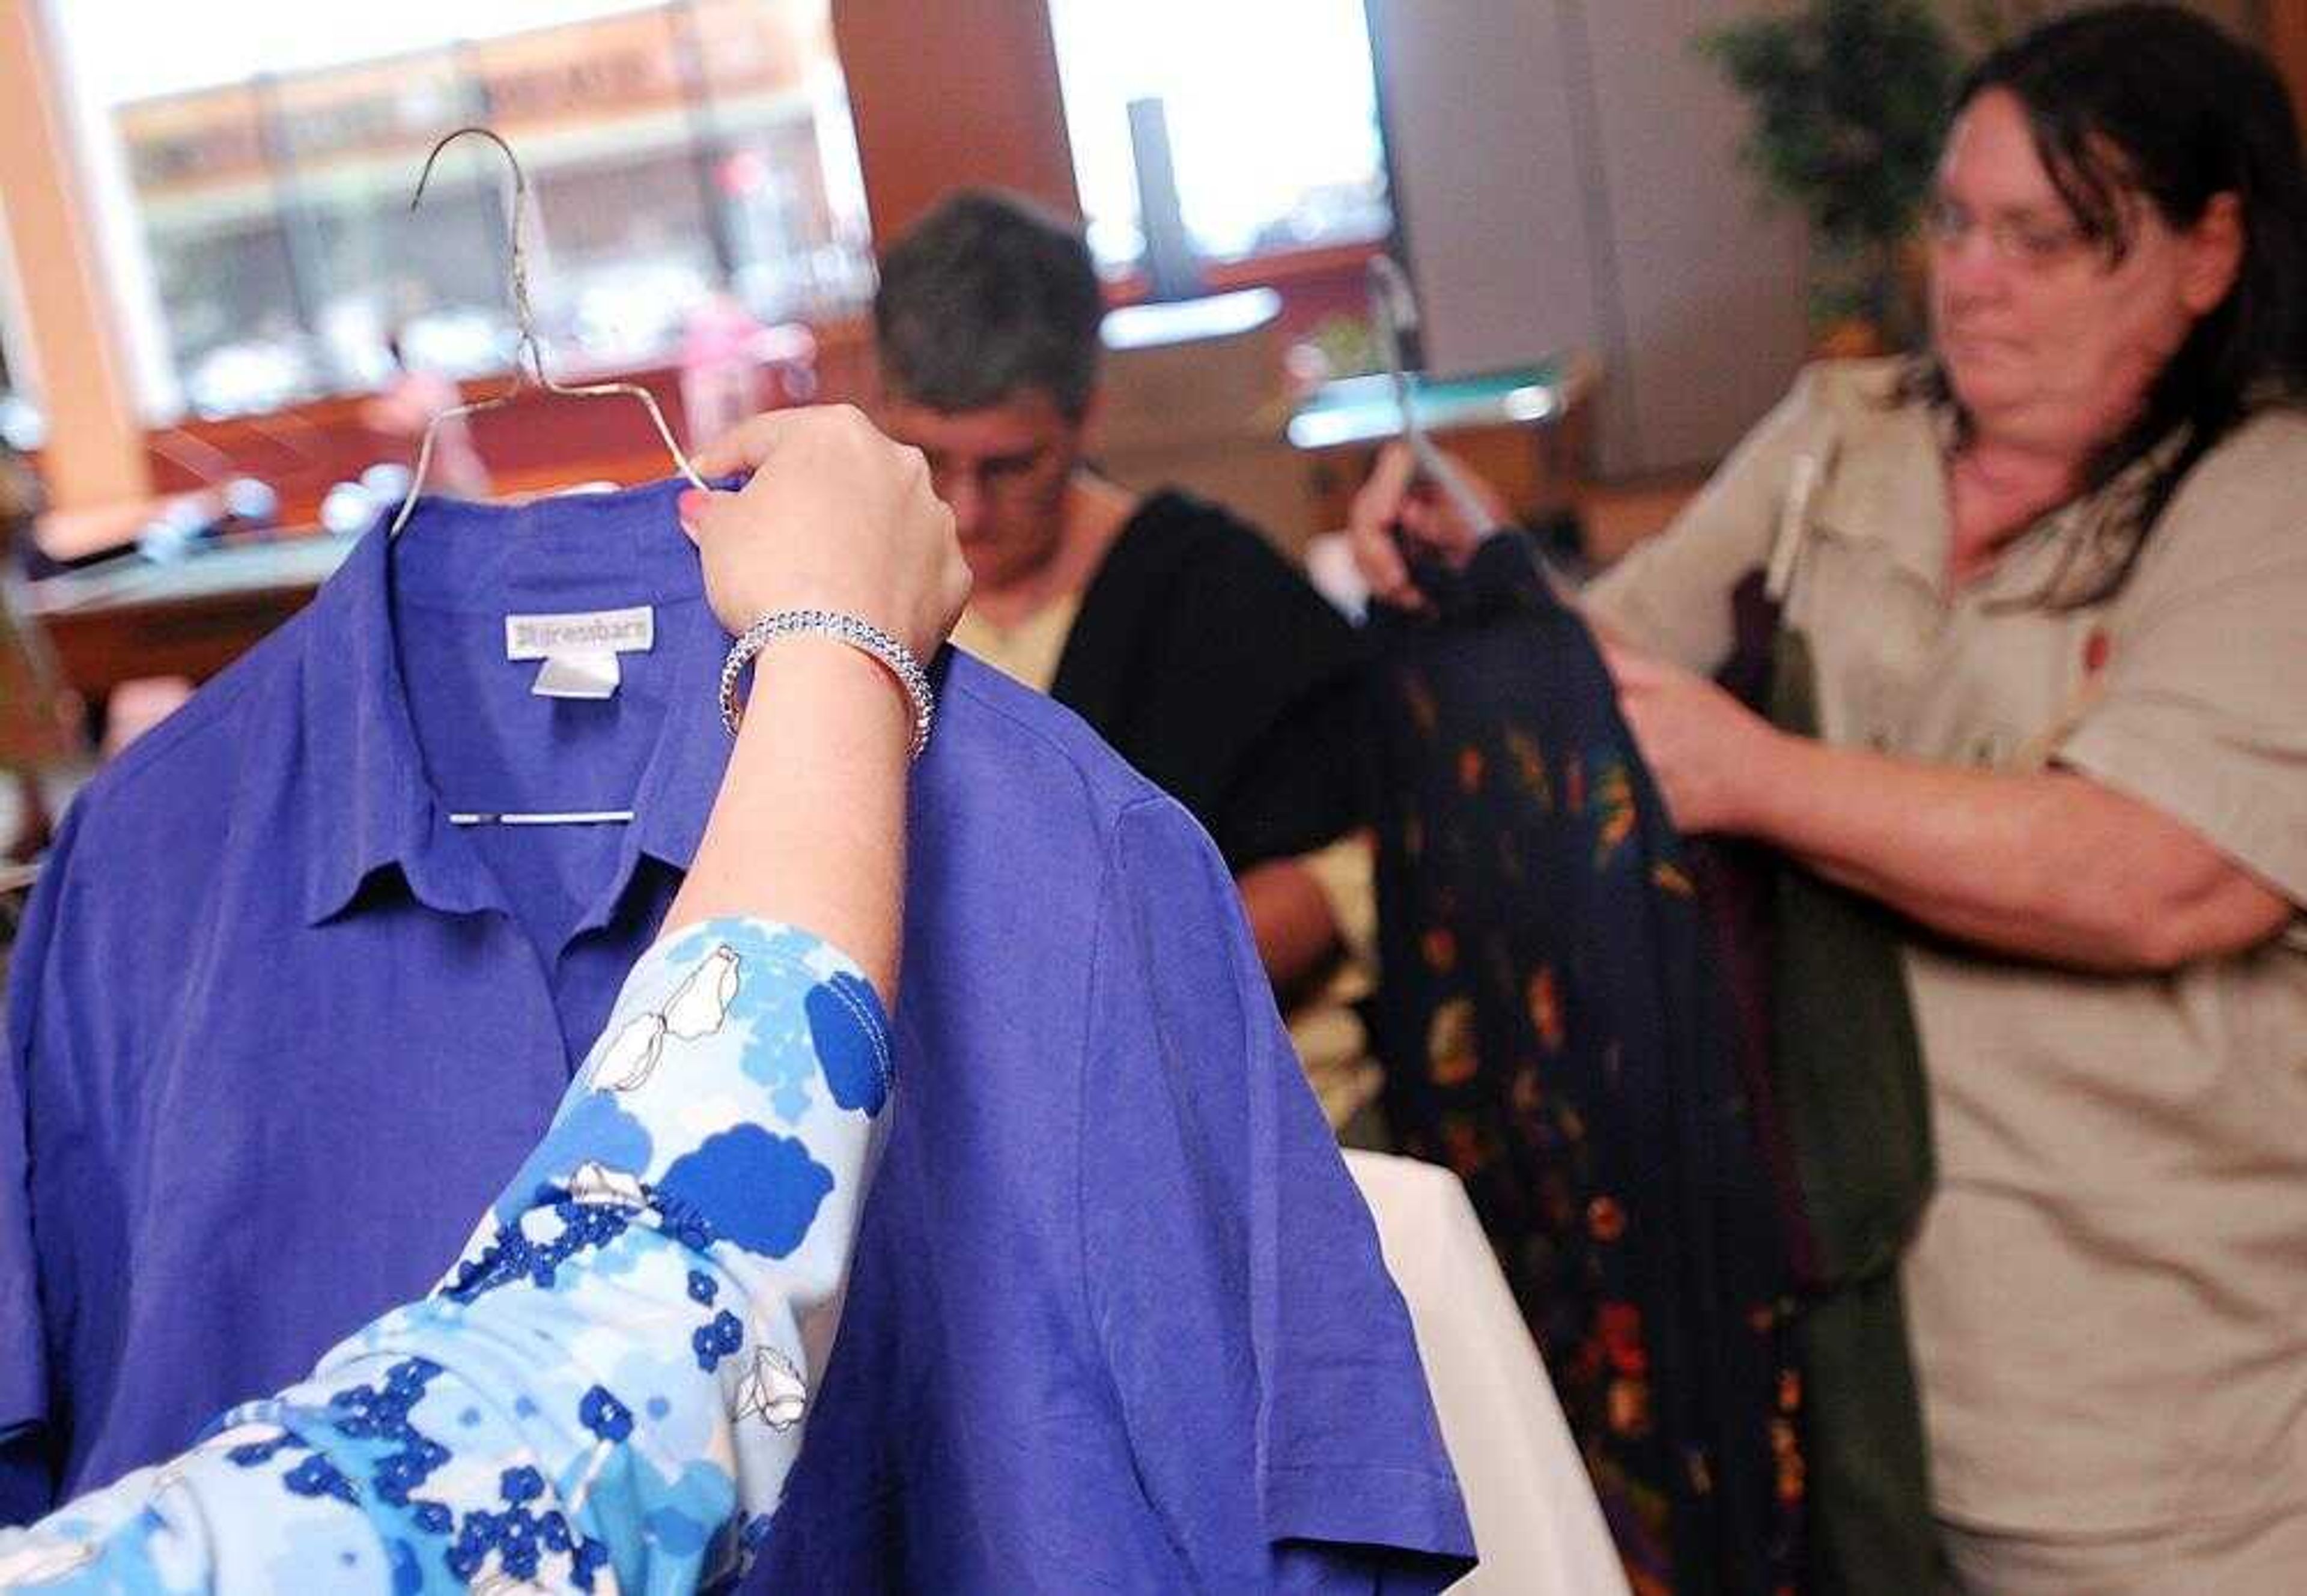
(809, 828)
(2049, 865)
(1291, 918)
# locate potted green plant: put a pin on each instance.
(1849, 99)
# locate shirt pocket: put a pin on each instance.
(1874, 625)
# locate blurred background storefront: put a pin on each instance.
(210, 275)
(223, 328)
(241, 173)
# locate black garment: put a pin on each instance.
(1847, 1065)
(1555, 1028)
(1831, 1051)
(1213, 668)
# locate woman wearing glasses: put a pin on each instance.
(2052, 576)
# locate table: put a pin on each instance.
(1536, 1524)
(1524, 429)
(127, 617)
(130, 618)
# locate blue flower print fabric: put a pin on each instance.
(608, 1391)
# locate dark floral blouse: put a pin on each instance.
(1555, 1028)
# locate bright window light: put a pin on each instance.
(1272, 109)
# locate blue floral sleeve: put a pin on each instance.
(608, 1391)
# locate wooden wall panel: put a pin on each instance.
(2285, 23)
(950, 94)
(95, 440)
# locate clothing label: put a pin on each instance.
(579, 651)
(598, 632)
(577, 676)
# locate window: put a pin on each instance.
(1272, 115)
(20, 418)
(674, 152)
(21, 425)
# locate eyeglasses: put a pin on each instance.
(2023, 240)
(1002, 476)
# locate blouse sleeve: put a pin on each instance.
(613, 1378)
(2198, 711)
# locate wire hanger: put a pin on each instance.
(1393, 310)
(529, 370)
(528, 355)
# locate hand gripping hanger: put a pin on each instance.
(529, 356)
(1393, 311)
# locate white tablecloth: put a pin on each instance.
(1536, 1523)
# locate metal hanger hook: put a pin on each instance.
(517, 262)
(1393, 311)
(529, 350)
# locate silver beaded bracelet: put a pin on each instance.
(858, 634)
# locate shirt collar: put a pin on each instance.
(367, 803)
(2067, 547)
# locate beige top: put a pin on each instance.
(2109, 1293)
(1324, 1028)
(1027, 652)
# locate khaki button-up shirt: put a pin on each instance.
(2109, 1293)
